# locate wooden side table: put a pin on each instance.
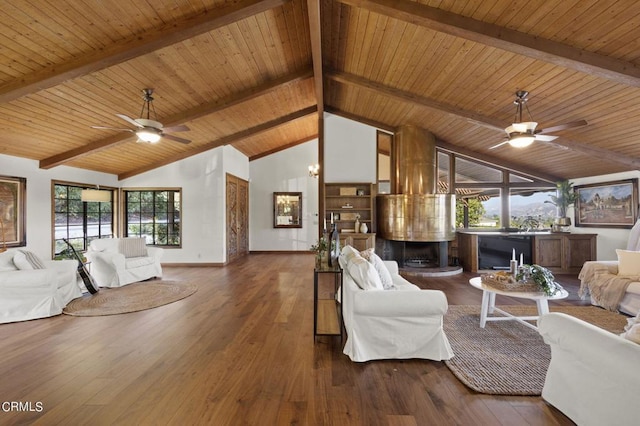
(327, 313)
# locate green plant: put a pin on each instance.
(320, 247)
(565, 197)
(541, 276)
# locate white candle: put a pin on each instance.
(325, 224)
(332, 218)
(521, 259)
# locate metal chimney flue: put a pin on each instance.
(414, 211)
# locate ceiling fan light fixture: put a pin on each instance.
(148, 135)
(525, 127)
(521, 140)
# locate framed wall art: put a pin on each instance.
(12, 212)
(607, 204)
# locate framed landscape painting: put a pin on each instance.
(608, 204)
(12, 212)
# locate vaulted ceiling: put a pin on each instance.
(259, 74)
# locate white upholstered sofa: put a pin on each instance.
(120, 261)
(611, 287)
(27, 293)
(594, 375)
(399, 322)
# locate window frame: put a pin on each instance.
(85, 239)
(505, 185)
(175, 213)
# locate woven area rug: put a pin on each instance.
(508, 358)
(130, 298)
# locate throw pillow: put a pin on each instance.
(628, 263)
(6, 261)
(385, 277)
(25, 260)
(383, 272)
(633, 334)
(346, 255)
(364, 274)
(367, 254)
(133, 247)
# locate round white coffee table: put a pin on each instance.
(489, 303)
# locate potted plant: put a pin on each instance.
(541, 276)
(565, 197)
(320, 248)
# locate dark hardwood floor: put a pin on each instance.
(240, 351)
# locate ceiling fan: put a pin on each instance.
(521, 134)
(148, 130)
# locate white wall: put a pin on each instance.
(38, 200)
(350, 150)
(202, 179)
(284, 171)
(609, 239)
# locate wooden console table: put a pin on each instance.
(327, 312)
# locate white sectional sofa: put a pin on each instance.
(389, 318)
(615, 284)
(120, 261)
(27, 293)
(594, 375)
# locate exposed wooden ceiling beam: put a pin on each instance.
(403, 96)
(604, 154)
(315, 35)
(157, 38)
(360, 119)
(599, 153)
(227, 140)
(505, 39)
(283, 147)
(180, 118)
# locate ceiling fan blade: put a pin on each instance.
(130, 120)
(175, 138)
(111, 128)
(546, 138)
(500, 144)
(571, 125)
(180, 128)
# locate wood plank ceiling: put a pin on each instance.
(258, 74)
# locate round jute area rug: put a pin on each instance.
(130, 298)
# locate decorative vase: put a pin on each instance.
(364, 228)
(356, 227)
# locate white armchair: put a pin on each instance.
(120, 261)
(593, 377)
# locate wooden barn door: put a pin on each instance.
(237, 217)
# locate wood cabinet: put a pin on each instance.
(559, 252)
(347, 201)
(564, 253)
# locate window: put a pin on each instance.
(154, 215)
(478, 209)
(79, 221)
(529, 209)
(491, 197)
